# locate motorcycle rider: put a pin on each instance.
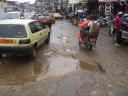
(118, 22)
(89, 26)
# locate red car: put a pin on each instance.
(43, 19)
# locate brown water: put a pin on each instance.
(16, 70)
(88, 66)
(19, 70)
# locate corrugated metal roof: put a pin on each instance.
(76, 1)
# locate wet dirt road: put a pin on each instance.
(63, 69)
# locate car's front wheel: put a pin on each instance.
(1, 55)
(90, 47)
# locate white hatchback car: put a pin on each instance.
(22, 37)
(14, 15)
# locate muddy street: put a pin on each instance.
(62, 68)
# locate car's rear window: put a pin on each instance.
(12, 31)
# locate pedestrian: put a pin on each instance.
(118, 22)
(94, 27)
(76, 19)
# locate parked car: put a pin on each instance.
(57, 16)
(22, 37)
(45, 19)
(14, 15)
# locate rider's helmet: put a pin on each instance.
(92, 17)
(120, 14)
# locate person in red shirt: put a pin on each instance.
(82, 26)
(86, 27)
(118, 24)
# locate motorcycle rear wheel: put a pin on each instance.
(89, 47)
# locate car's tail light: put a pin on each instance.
(25, 41)
(45, 21)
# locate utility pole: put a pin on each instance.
(62, 4)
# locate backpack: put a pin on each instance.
(94, 27)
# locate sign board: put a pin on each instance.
(108, 9)
(110, 0)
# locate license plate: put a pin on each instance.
(7, 41)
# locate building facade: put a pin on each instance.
(99, 7)
(3, 5)
(42, 6)
(89, 6)
(108, 7)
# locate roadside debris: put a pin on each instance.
(50, 53)
(68, 50)
(94, 92)
(64, 38)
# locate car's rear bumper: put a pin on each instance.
(125, 35)
(15, 50)
(56, 18)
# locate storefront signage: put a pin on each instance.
(110, 0)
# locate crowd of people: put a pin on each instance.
(87, 27)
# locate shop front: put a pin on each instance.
(89, 6)
(92, 7)
(108, 7)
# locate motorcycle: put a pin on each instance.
(104, 21)
(89, 41)
(112, 28)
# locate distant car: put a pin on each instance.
(57, 16)
(43, 19)
(14, 15)
(22, 37)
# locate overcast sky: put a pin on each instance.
(32, 1)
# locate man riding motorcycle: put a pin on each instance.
(89, 29)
